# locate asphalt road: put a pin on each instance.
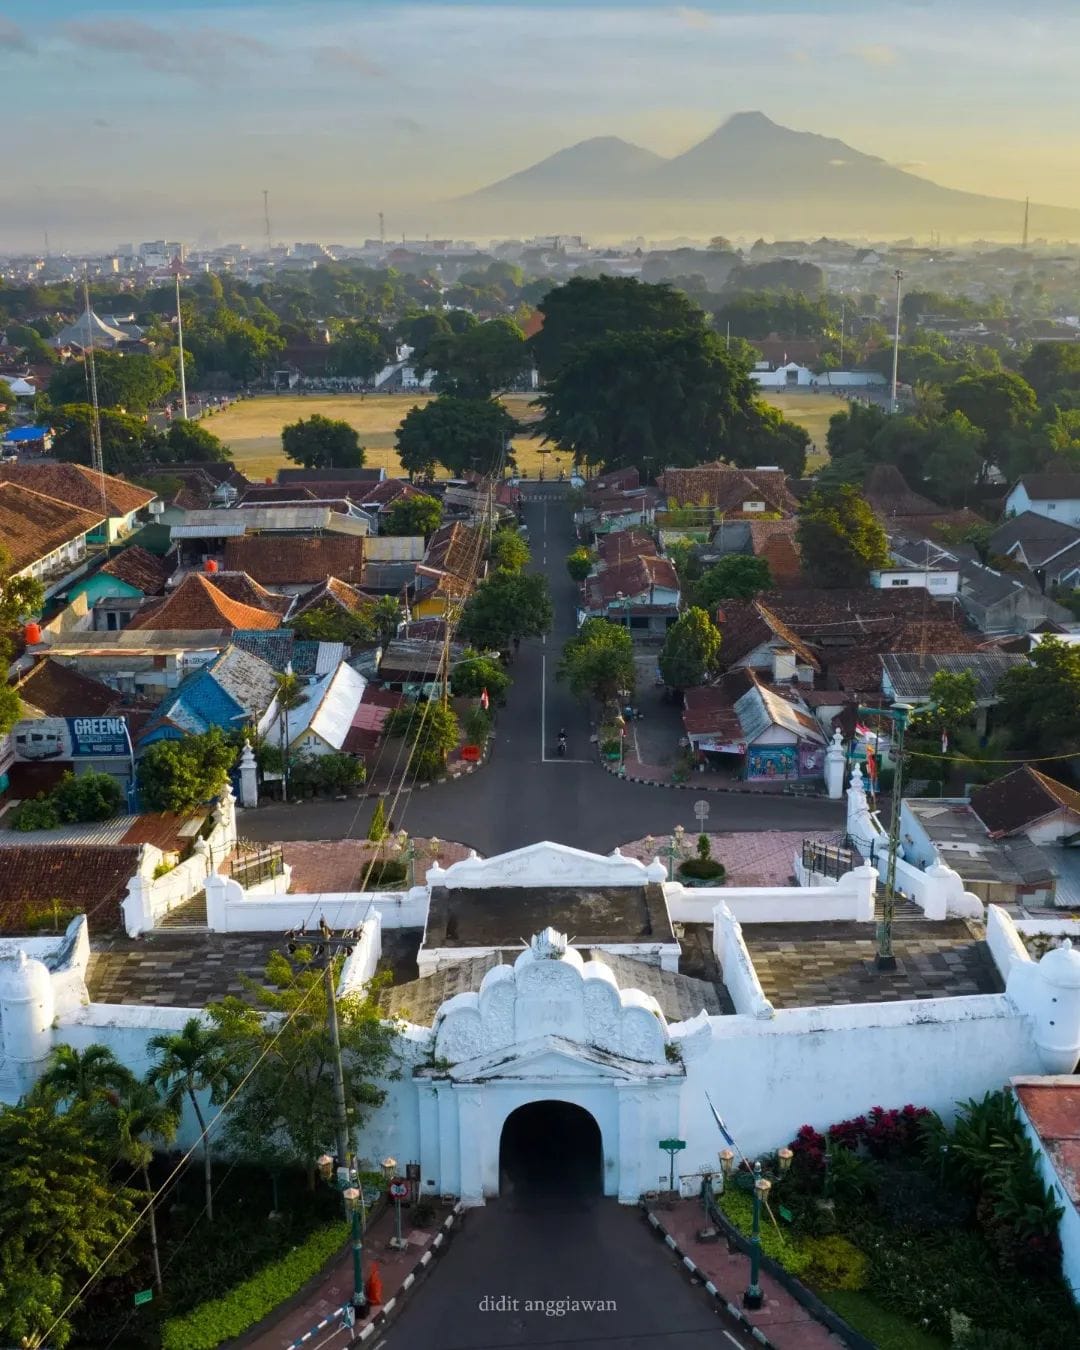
(540, 1253)
(526, 792)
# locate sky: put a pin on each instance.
(130, 121)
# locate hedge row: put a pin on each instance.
(206, 1326)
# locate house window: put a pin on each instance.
(1051, 506)
(901, 581)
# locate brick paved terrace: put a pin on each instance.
(334, 865)
(752, 857)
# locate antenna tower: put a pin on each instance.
(97, 462)
(1027, 209)
(266, 222)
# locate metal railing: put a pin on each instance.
(251, 868)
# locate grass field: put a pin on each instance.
(252, 429)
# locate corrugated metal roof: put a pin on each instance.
(394, 548)
(220, 529)
(910, 673)
(329, 706)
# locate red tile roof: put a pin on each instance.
(708, 711)
(620, 545)
(335, 591)
(239, 586)
(1053, 1107)
(634, 577)
(87, 877)
(79, 486)
(57, 690)
(296, 560)
(196, 604)
(727, 488)
(1020, 798)
(33, 525)
(140, 568)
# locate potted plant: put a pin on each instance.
(703, 870)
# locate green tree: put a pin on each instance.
(141, 1118)
(226, 343)
(474, 673)
(125, 441)
(330, 622)
(840, 538)
(414, 515)
(431, 730)
(322, 443)
(999, 403)
(60, 1217)
(360, 350)
(479, 362)
(1040, 701)
(763, 435)
(386, 616)
(129, 383)
(284, 1043)
(461, 434)
(82, 1077)
(377, 830)
(509, 551)
(735, 577)
(580, 563)
(87, 796)
(191, 1062)
(598, 661)
(182, 775)
(1053, 370)
(691, 651)
(586, 310)
(505, 606)
(953, 458)
(647, 399)
(20, 599)
(188, 442)
(951, 710)
(7, 403)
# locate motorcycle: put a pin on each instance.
(561, 748)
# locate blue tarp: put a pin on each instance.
(24, 435)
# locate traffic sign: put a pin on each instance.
(399, 1189)
(672, 1145)
(701, 810)
(143, 1296)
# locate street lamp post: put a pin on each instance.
(761, 1186)
(389, 1167)
(408, 855)
(353, 1198)
(674, 850)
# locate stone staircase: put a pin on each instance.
(189, 917)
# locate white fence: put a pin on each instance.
(851, 898)
(1005, 937)
(740, 977)
(232, 909)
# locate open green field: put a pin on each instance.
(811, 411)
(252, 429)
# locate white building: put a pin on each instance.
(789, 376)
(1050, 494)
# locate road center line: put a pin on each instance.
(543, 697)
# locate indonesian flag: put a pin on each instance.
(484, 700)
(719, 1122)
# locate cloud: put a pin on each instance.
(347, 59)
(910, 165)
(13, 38)
(693, 18)
(197, 53)
(874, 54)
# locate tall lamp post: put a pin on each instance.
(885, 959)
(396, 1187)
(761, 1185)
(407, 848)
(674, 850)
(352, 1196)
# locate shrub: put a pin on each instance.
(703, 869)
(223, 1318)
(834, 1263)
(477, 726)
(50, 918)
(739, 1207)
(40, 813)
(383, 874)
(377, 830)
(916, 1200)
(87, 796)
(423, 1213)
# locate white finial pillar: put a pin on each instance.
(249, 778)
(834, 767)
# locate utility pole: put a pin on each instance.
(1027, 209)
(843, 316)
(180, 346)
(896, 341)
(341, 1112)
(266, 221)
(382, 228)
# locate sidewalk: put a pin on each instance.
(782, 1322)
(399, 1271)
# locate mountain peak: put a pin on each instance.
(747, 121)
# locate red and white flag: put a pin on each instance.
(484, 700)
(944, 741)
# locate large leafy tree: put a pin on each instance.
(840, 538)
(691, 651)
(226, 342)
(60, 1217)
(1053, 371)
(474, 673)
(1040, 702)
(735, 577)
(360, 350)
(763, 435)
(580, 563)
(132, 384)
(951, 711)
(20, 598)
(479, 362)
(462, 434)
(181, 775)
(588, 309)
(188, 442)
(319, 442)
(1000, 403)
(420, 514)
(288, 1102)
(648, 399)
(509, 551)
(125, 441)
(598, 661)
(505, 606)
(190, 1062)
(432, 732)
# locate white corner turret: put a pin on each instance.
(27, 1008)
(1051, 997)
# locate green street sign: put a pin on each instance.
(672, 1145)
(143, 1296)
(785, 1214)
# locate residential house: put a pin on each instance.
(417, 667)
(743, 722)
(621, 546)
(1054, 493)
(365, 734)
(145, 662)
(198, 604)
(918, 564)
(293, 563)
(78, 878)
(131, 577)
(321, 722)
(453, 563)
(642, 593)
(620, 510)
(46, 538)
(234, 692)
(907, 677)
(903, 510)
(739, 494)
(1047, 547)
(1004, 602)
(118, 501)
(333, 593)
(776, 543)
(1030, 803)
(356, 479)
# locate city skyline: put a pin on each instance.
(174, 125)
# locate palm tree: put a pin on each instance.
(386, 616)
(142, 1115)
(290, 694)
(191, 1061)
(85, 1078)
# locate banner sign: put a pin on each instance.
(46, 738)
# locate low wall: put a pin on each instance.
(231, 909)
(361, 962)
(938, 891)
(740, 977)
(1006, 946)
(851, 899)
(430, 960)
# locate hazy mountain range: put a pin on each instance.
(750, 176)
